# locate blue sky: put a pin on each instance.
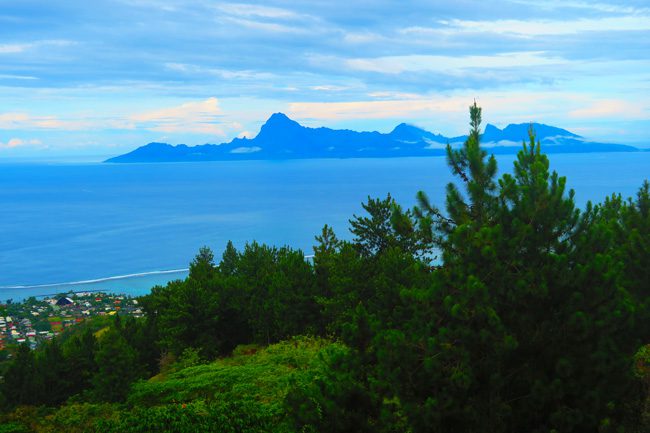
(104, 76)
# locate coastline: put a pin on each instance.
(135, 284)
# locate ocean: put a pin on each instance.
(127, 227)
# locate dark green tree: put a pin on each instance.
(229, 259)
(118, 367)
(19, 383)
(528, 325)
(376, 232)
(54, 382)
(80, 366)
(202, 267)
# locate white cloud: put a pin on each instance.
(450, 111)
(164, 5)
(27, 122)
(329, 88)
(611, 108)
(22, 47)
(13, 48)
(269, 19)
(16, 77)
(361, 38)
(19, 142)
(600, 7)
(407, 108)
(418, 63)
(266, 26)
(250, 10)
(394, 95)
(221, 73)
(532, 28)
(252, 149)
(501, 143)
(15, 142)
(245, 134)
(195, 116)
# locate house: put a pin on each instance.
(64, 301)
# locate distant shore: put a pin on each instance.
(135, 284)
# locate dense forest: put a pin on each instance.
(510, 310)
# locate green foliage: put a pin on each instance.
(529, 325)
(13, 427)
(78, 418)
(263, 376)
(19, 385)
(386, 226)
(117, 365)
(261, 295)
(189, 358)
(76, 365)
(79, 359)
(202, 266)
(229, 259)
(244, 393)
(198, 416)
(532, 322)
(332, 397)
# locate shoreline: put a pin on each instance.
(135, 284)
(95, 280)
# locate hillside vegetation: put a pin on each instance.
(242, 393)
(509, 311)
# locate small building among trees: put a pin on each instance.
(64, 301)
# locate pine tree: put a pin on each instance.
(228, 265)
(19, 384)
(202, 267)
(80, 366)
(373, 234)
(477, 173)
(117, 365)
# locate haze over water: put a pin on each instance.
(78, 222)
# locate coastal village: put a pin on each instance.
(34, 321)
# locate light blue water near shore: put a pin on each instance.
(77, 222)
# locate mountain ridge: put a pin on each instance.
(283, 138)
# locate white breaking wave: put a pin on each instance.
(97, 280)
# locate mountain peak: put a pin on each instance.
(492, 133)
(405, 127)
(279, 128)
(280, 119)
(541, 130)
(411, 133)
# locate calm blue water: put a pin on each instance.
(76, 222)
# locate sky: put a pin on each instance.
(102, 77)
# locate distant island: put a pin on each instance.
(283, 138)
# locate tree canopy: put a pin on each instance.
(510, 310)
